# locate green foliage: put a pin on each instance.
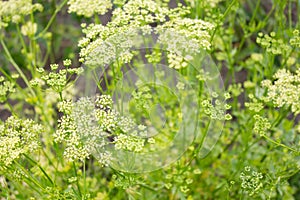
(56, 144)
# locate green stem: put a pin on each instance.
(29, 176)
(21, 38)
(77, 182)
(97, 81)
(224, 15)
(40, 167)
(49, 159)
(104, 75)
(250, 23)
(279, 118)
(255, 12)
(290, 14)
(60, 96)
(204, 136)
(41, 34)
(11, 109)
(33, 49)
(196, 151)
(148, 187)
(44, 61)
(263, 22)
(12, 61)
(97, 19)
(84, 177)
(279, 144)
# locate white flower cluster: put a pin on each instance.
(67, 132)
(29, 29)
(104, 102)
(104, 44)
(176, 61)
(181, 179)
(18, 137)
(124, 180)
(90, 124)
(235, 89)
(123, 128)
(65, 106)
(203, 75)
(143, 98)
(216, 109)
(184, 37)
(88, 8)
(130, 143)
(108, 120)
(140, 12)
(19, 175)
(134, 14)
(79, 130)
(254, 105)
(14, 10)
(126, 124)
(252, 181)
(57, 80)
(204, 3)
(195, 30)
(284, 91)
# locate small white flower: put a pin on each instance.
(88, 8)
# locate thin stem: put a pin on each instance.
(12, 61)
(148, 187)
(224, 15)
(21, 38)
(41, 34)
(290, 14)
(84, 177)
(77, 182)
(33, 48)
(250, 23)
(44, 61)
(279, 144)
(279, 118)
(29, 176)
(255, 12)
(11, 109)
(204, 136)
(263, 22)
(40, 167)
(98, 82)
(196, 152)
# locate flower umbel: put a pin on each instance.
(251, 180)
(262, 125)
(13, 10)
(285, 90)
(88, 8)
(18, 137)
